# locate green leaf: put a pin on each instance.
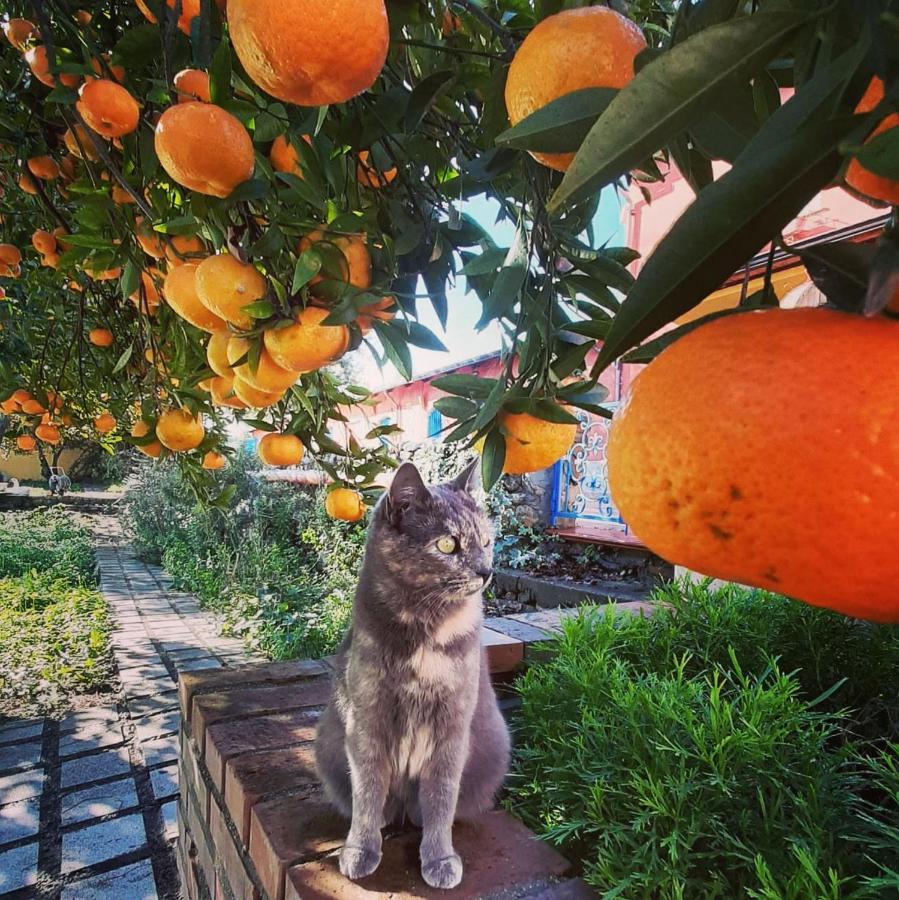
(130, 278)
(253, 189)
(465, 385)
(880, 154)
(123, 359)
(493, 458)
(455, 407)
(419, 336)
(220, 74)
(383, 431)
(260, 309)
(551, 412)
(670, 94)
(485, 264)
(508, 283)
(608, 271)
(562, 125)
(597, 329)
(307, 267)
(179, 225)
(138, 47)
(423, 96)
(395, 347)
(62, 94)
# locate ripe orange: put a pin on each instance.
(283, 156)
(105, 423)
(44, 167)
(26, 443)
(184, 248)
(190, 9)
(103, 274)
(368, 176)
(269, 376)
(19, 32)
(281, 450)
(384, 310)
(60, 235)
(226, 285)
(26, 183)
(10, 255)
(49, 434)
(120, 195)
(214, 461)
(253, 397)
(10, 407)
(217, 354)
(142, 429)
(180, 430)
(449, 23)
(180, 291)
(37, 61)
(861, 179)
(351, 264)
(117, 72)
(43, 241)
(222, 390)
(592, 46)
(149, 240)
(83, 17)
(307, 345)
(147, 300)
(79, 144)
(192, 84)
(22, 396)
(345, 504)
(310, 52)
(533, 444)
(50, 260)
(204, 148)
(108, 108)
(101, 337)
(32, 407)
(728, 458)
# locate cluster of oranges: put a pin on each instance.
(47, 420)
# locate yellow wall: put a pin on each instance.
(27, 466)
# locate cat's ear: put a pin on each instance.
(407, 487)
(467, 479)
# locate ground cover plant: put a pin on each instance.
(54, 625)
(736, 744)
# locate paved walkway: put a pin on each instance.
(88, 803)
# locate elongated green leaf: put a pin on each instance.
(668, 95)
(307, 267)
(395, 347)
(493, 458)
(560, 126)
(123, 359)
(880, 154)
(455, 407)
(419, 336)
(508, 282)
(424, 95)
(254, 189)
(220, 74)
(260, 309)
(485, 264)
(465, 385)
(551, 412)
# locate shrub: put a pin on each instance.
(49, 541)
(705, 752)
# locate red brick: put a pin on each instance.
(205, 681)
(497, 851)
(229, 861)
(229, 739)
(504, 653)
(237, 704)
(189, 775)
(195, 837)
(288, 831)
(251, 777)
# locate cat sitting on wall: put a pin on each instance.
(413, 731)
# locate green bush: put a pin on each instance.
(736, 744)
(51, 542)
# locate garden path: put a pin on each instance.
(88, 803)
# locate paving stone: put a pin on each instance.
(22, 730)
(527, 634)
(91, 739)
(151, 727)
(189, 653)
(18, 868)
(575, 889)
(197, 665)
(19, 820)
(144, 673)
(103, 841)
(89, 719)
(170, 819)
(161, 702)
(138, 690)
(20, 756)
(161, 750)
(134, 882)
(545, 619)
(21, 785)
(93, 768)
(98, 800)
(164, 781)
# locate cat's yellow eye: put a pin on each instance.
(447, 544)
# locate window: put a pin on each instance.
(435, 423)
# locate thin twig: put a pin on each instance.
(500, 31)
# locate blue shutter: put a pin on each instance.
(435, 423)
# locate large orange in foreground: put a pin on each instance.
(310, 52)
(590, 47)
(763, 448)
(204, 148)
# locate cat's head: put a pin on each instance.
(434, 538)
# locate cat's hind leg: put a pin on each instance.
(332, 762)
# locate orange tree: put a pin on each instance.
(207, 203)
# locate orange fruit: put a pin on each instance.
(217, 354)
(204, 148)
(190, 9)
(103, 274)
(19, 32)
(184, 248)
(22, 396)
(32, 407)
(79, 143)
(26, 183)
(67, 167)
(384, 310)
(37, 61)
(83, 17)
(214, 461)
(310, 52)
(101, 337)
(281, 450)
(352, 263)
(117, 72)
(121, 196)
(26, 443)
(368, 176)
(108, 108)
(221, 389)
(283, 156)
(192, 84)
(149, 299)
(180, 430)
(728, 458)
(589, 47)
(54, 401)
(252, 397)
(60, 235)
(226, 285)
(857, 176)
(50, 260)
(10, 255)
(105, 423)
(307, 345)
(345, 504)
(180, 291)
(449, 23)
(10, 407)
(269, 376)
(43, 241)
(49, 434)
(149, 240)
(533, 444)
(154, 448)
(44, 167)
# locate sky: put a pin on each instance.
(461, 339)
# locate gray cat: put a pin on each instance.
(413, 730)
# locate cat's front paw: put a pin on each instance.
(443, 873)
(356, 862)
